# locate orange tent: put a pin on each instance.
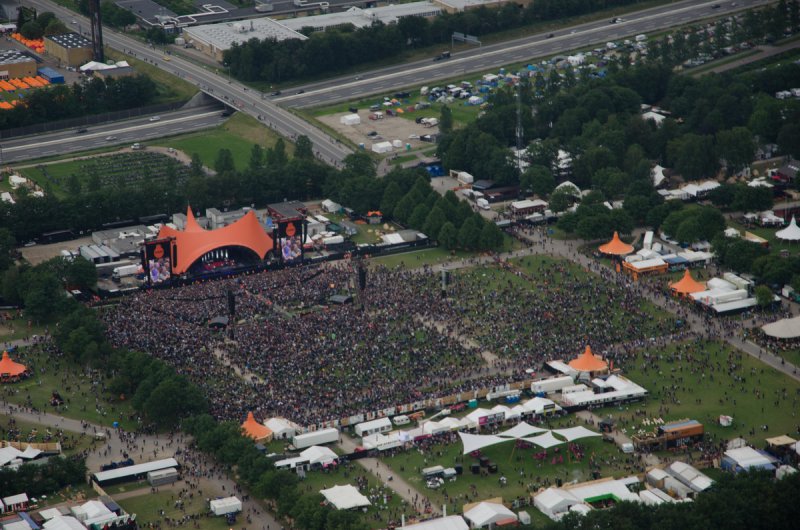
(9, 368)
(687, 284)
(255, 430)
(194, 241)
(616, 247)
(588, 362)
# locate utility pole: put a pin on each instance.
(97, 31)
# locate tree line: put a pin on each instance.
(95, 95)
(45, 478)
(338, 49)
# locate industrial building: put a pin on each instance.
(14, 63)
(70, 49)
(214, 39)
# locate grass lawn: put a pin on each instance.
(238, 134)
(148, 509)
(704, 375)
(170, 88)
(83, 399)
(418, 258)
(386, 505)
(17, 430)
(14, 327)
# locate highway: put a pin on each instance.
(109, 134)
(271, 112)
(488, 58)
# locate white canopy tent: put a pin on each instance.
(521, 430)
(785, 328)
(545, 440)
(488, 513)
(345, 497)
(790, 233)
(450, 522)
(475, 442)
(575, 433)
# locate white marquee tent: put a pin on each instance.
(345, 497)
(475, 442)
(488, 513)
(785, 328)
(790, 233)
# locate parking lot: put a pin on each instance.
(390, 128)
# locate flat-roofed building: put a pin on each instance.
(14, 63)
(70, 48)
(214, 39)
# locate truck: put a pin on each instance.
(137, 146)
(552, 384)
(322, 436)
(444, 55)
(483, 204)
(124, 271)
(790, 294)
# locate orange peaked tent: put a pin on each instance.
(687, 284)
(255, 430)
(588, 362)
(616, 247)
(9, 368)
(194, 241)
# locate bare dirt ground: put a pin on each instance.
(39, 253)
(389, 129)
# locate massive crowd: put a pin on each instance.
(291, 353)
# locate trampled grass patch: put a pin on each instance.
(702, 380)
(157, 508)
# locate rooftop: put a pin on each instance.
(223, 36)
(360, 18)
(71, 40)
(14, 56)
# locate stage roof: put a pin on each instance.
(255, 430)
(588, 362)
(616, 247)
(687, 284)
(9, 368)
(790, 233)
(194, 241)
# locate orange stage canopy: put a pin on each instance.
(687, 284)
(193, 242)
(9, 368)
(588, 362)
(616, 247)
(255, 430)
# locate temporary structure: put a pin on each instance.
(575, 433)
(521, 430)
(350, 119)
(475, 442)
(10, 369)
(485, 514)
(225, 506)
(687, 285)
(252, 429)
(545, 440)
(616, 247)
(785, 328)
(345, 497)
(588, 362)
(790, 233)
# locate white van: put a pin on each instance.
(401, 420)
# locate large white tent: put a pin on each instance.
(488, 513)
(575, 433)
(521, 430)
(790, 233)
(545, 440)
(450, 522)
(475, 442)
(785, 328)
(345, 497)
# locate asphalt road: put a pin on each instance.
(388, 79)
(109, 134)
(489, 58)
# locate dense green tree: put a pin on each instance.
(469, 234)
(446, 119)
(538, 179)
(764, 296)
(32, 30)
(448, 236)
(736, 147)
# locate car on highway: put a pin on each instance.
(550, 35)
(110, 138)
(275, 93)
(301, 91)
(715, 6)
(155, 118)
(82, 130)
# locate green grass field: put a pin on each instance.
(83, 399)
(18, 430)
(418, 258)
(776, 246)
(238, 134)
(148, 509)
(170, 88)
(756, 399)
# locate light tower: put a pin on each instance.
(97, 31)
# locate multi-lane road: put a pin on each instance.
(109, 134)
(272, 113)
